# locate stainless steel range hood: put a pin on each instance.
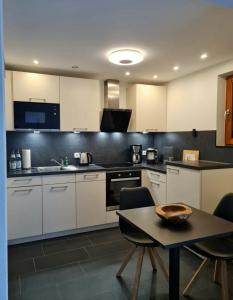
(114, 119)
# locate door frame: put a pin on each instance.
(3, 202)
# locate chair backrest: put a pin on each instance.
(133, 198)
(224, 209)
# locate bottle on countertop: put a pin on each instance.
(12, 161)
(66, 162)
(18, 160)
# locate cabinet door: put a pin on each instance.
(8, 101)
(183, 185)
(91, 203)
(24, 212)
(150, 108)
(147, 183)
(35, 87)
(59, 207)
(80, 104)
(159, 192)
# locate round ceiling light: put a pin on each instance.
(125, 57)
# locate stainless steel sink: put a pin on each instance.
(55, 168)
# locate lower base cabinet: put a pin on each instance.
(59, 207)
(91, 199)
(111, 217)
(24, 212)
(159, 192)
(184, 185)
(156, 183)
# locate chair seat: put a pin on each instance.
(139, 239)
(219, 248)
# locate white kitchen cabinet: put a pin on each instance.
(80, 104)
(112, 217)
(24, 181)
(146, 182)
(8, 101)
(35, 87)
(156, 183)
(148, 104)
(199, 188)
(59, 207)
(159, 192)
(184, 185)
(91, 199)
(60, 178)
(24, 212)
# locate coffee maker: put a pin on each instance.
(152, 156)
(136, 154)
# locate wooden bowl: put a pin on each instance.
(174, 213)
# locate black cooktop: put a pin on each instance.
(116, 165)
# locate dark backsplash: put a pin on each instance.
(105, 147)
(205, 141)
(113, 147)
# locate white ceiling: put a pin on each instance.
(62, 33)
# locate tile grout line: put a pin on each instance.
(65, 250)
(34, 263)
(20, 286)
(66, 264)
(92, 244)
(43, 251)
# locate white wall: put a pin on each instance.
(192, 100)
(3, 235)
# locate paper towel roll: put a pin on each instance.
(26, 157)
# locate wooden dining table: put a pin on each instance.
(201, 226)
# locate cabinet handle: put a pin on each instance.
(156, 183)
(125, 179)
(21, 180)
(174, 171)
(23, 191)
(151, 130)
(91, 176)
(59, 187)
(153, 174)
(39, 99)
(80, 129)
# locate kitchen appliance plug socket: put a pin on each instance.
(77, 155)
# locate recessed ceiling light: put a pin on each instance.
(36, 62)
(75, 67)
(176, 68)
(127, 73)
(204, 56)
(125, 57)
(155, 76)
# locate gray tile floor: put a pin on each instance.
(83, 267)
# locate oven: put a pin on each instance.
(115, 181)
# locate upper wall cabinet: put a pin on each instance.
(80, 104)
(35, 87)
(8, 101)
(148, 104)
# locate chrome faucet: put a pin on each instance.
(57, 162)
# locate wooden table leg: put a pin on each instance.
(174, 273)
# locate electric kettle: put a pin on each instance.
(85, 159)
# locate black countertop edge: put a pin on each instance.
(200, 165)
(161, 168)
(92, 168)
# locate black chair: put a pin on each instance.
(136, 198)
(220, 250)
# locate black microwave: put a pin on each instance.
(34, 115)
